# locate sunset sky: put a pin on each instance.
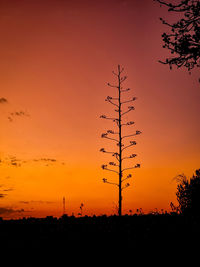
(56, 57)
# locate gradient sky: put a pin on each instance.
(56, 58)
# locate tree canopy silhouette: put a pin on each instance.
(188, 194)
(183, 40)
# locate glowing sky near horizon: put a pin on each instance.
(56, 60)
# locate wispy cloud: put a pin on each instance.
(16, 162)
(24, 202)
(36, 202)
(12, 115)
(11, 160)
(47, 161)
(3, 100)
(4, 189)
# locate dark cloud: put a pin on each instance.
(20, 113)
(10, 119)
(12, 115)
(4, 189)
(14, 161)
(4, 210)
(3, 100)
(8, 189)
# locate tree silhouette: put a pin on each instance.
(81, 209)
(188, 194)
(184, 38)
(117, 136)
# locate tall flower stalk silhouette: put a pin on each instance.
(122, 140)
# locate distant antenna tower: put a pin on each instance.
(63, 205)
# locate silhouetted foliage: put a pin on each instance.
(183, 40)
(40, 239)
(188, 194)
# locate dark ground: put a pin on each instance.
(40, 242)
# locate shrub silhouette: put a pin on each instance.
(188, 194)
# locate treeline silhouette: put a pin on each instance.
(100, 233)
(172, 234)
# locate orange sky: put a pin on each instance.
(56, 58)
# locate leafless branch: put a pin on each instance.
(128, 123)
(126, 185)
(136, 133)
(107, 182)
(130, 157)
(113, 164)
(112, 85)
(114, 154)
(115, 73)
(105, 135)
(132, 143)
(122, 79)
(125, 90)
(129, 109)
(131, 100)
(112, 132)
(107, 118)
(136, 166)
(108, 99)
(129, 176)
